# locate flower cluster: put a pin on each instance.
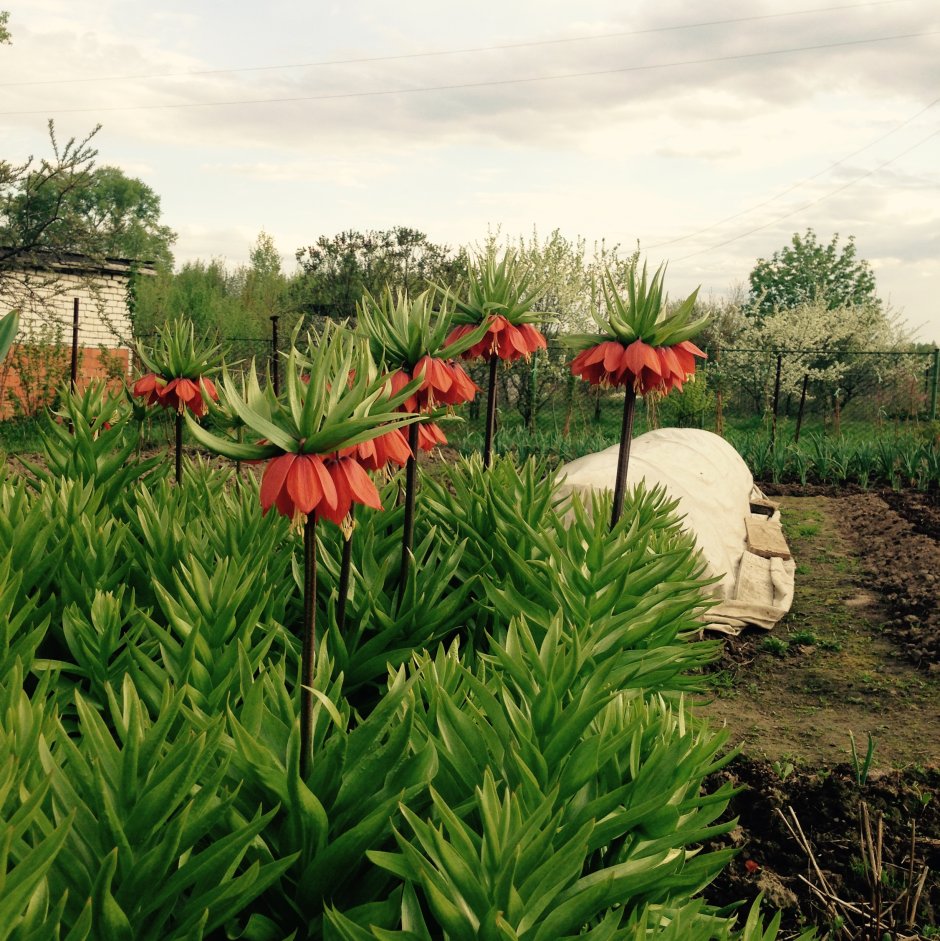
(338, 420)
(504, 340)
(646, 368)
(639, 346)
(499, 297)
(179, 369)
(177, 394)
(443, 383)
(309, 484)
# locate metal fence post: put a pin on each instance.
(777, 395)
(73, 380)
(935, 383)
(719, 400)
(799, 416)
(275, 362)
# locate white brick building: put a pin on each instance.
(45, 292)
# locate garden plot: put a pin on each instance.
(849, 660)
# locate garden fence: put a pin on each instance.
(823, 389)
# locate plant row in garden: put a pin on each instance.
(478, 772)
(887, 460)
(459, 716)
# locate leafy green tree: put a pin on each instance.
(4, 31)
(220, 301)
(64, 205)
(205, 292)
(102, 213)
(35, 198)
(337, 271)
(806, 272)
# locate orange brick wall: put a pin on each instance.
(17, 400)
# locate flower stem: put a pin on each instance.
(623, 458)
(179, 446)
(490, 412)
(308, 654)
(344, 569)
(408, 533)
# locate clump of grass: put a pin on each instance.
(804, 638)
(775, 645)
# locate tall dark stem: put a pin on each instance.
(490, 412)
(344, 568)
(623, 458)
(179, 446)
(308, 654)
(408, 534)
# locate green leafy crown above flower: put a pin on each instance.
(494, 288)
(177, 354)
(402, 330)
(639, 315)
(334, 398)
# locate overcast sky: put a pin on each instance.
(710, 132)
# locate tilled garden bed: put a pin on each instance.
(835, 856)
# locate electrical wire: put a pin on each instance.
(798, 184)
(450, 52)
(814, 202)
(493, 83)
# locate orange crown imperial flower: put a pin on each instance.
(644, 367)
(305, 484)
(338, 417)
(504, 340)
(638, 347)
(498, 296)
(179, 369)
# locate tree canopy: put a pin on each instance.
(4, 30)
(64, 204)
(336, 270)
(807, 271)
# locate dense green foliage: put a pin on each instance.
(503, 753)
(806, 271)
(64, 204)
(888, 459)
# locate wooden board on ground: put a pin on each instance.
(765, 538)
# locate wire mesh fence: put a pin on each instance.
(821, 389)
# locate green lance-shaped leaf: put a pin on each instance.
(9, 324)
(334, 398)
(505, 288)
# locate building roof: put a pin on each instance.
(72, 263)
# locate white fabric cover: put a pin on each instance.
(714, 489)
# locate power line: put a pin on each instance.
(816, 201)
(797, 185)
(336, 96)
(452, 52)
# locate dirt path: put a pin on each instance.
(830, 668)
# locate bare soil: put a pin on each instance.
(858, 653)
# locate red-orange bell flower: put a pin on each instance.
(297, 484)
(430, 436)
(646, 368)
(149, 388)
(183, 393)
(374, 455)
(353, 485)
(445, 383)
(503, 339)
